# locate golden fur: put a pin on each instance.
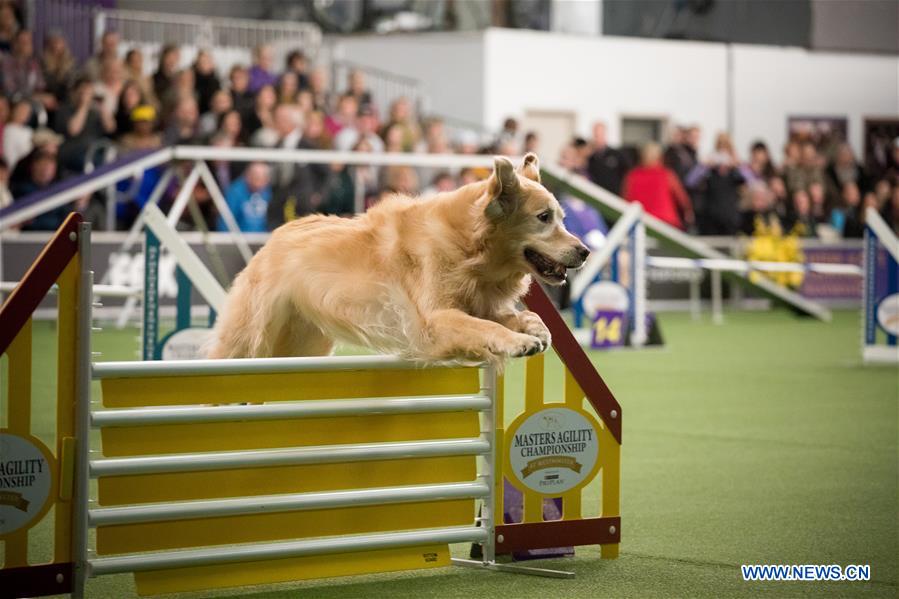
(434, 279)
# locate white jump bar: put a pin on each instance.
(318, 408)
(99, 290)
(319, 454)
(142, 562)
(747, 266)
(156, 368)
(269, 504)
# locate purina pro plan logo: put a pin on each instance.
(26, 481)
(553, 450)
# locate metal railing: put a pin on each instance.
(385, 86)
(146, 27)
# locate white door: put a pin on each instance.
(554, 129)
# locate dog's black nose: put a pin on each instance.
(583, 252)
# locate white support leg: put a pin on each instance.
(638, 337)
(225, 211)
(717, 298)
(184, 195)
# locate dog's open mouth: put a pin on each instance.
(546, 268)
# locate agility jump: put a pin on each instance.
(189, 483)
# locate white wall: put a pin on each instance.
(604, 78)
(773, 83)
(449, 64)
(489, 75)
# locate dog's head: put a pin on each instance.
(529, 220)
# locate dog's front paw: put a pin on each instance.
(520, 344)
(531, 324)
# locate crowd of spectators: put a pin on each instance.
(56, 114)
(819, 189)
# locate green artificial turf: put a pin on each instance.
(760, 441)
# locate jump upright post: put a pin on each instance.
(336, 466)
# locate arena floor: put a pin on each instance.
(762, 441)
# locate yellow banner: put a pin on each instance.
(551, 462)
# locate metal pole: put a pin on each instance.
(695, 296)
(638, 338)
(82, 415)
(717, 312)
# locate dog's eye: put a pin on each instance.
(545, 216)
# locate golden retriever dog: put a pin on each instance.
(436, 279)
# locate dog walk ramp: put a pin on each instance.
(611, 205)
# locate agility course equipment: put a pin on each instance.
(880, 292)
(190, 483)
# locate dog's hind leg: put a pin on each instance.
(302, 338)
(455, 335)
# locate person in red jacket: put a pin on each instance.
(658, 189)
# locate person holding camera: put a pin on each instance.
(82, 120)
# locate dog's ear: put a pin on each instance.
(503, 187)
(530, 167)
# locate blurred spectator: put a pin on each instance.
(143, 135)
(164, 77)
(182, 87)
(206, 82)
(531, 143)
(22, 73)
(5, 195)
(802, 222)
(717, 185)
(890, 211)
(760, 212)
(400, 180)
(58, 64)
(109, 50)
(364, 128)
(802, 167)
(605, 166)
(248, 198)
(845, 169)
(442, 182)
(9, 26)
(129, 99)
(344, 115)
(296, 188)
(296, 64)
(393, 140)
(134, 71)
(682, 153)
(315, 134)
(779, 196)
(42, 174)
(183, 128)
(219, 104)
(435, 139)
(110, 85)
(760, 166)
(818, 197)
(658, 189)
(83, 120)
(241, 98)
(288, 88)
(322, 97)
(17, 134)
(338, 191)
(508, 133)
(43, 140)
(850, 221)
(261, 115)
(356, 88)
(305, 101)
(401, 115)
(261, 73)
(4, 116)
(230, 126)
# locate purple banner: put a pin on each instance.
(816, 286)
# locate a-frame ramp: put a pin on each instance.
(613, 206)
